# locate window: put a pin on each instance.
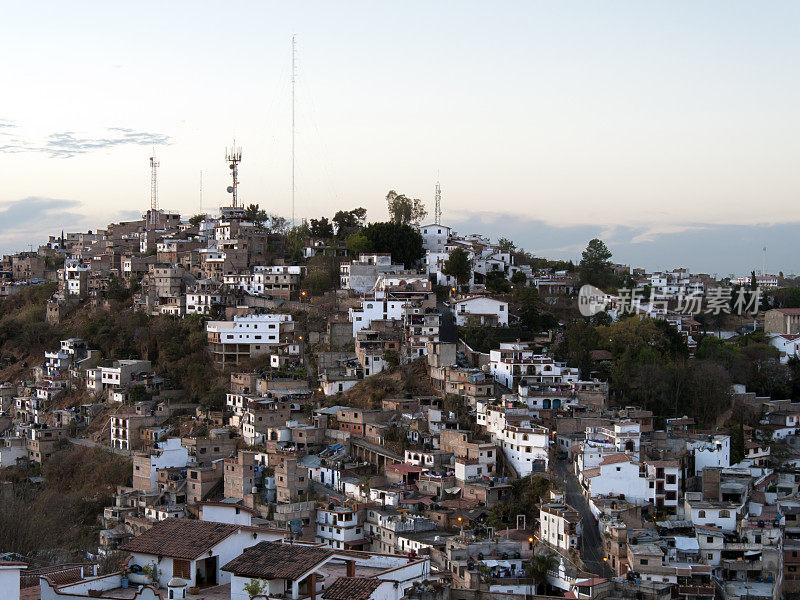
(709, 539)
(724, 513)
(181, 568)
(643, 561)
(701, 514)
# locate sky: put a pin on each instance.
(669, 130)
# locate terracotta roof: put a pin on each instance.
(589, 473)
(619, 457)
(180, 538)
(352, 588)
(273, 560)
(789, 311)
(662, 463)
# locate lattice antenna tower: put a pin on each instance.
(154, 164)
(437, 211)
(234, 157)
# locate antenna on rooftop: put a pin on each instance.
(234, 157)
(437, 211)
(154, 164)
(764, 262)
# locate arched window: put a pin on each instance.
(702, 514)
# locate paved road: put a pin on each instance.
(592, 550)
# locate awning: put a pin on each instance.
(687, 544)
(453, 490)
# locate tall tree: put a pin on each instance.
(403, 210)
(595, 266)
(349, 221)
(458, 266)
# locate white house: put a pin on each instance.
(713, 451)
(9, 578)
(194, 550)
(481, 309)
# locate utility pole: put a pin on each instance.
(294, 72)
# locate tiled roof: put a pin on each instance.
(180, 538)
(619, 457)
(352, 588)
(273, 560)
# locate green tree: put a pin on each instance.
(295, 241)
(527, 302)
(595, 266)
(357, 243)
(497, 283)
(197, 219)
(321, 228)
(519, 278)
(402, 241)
(458, 266)
(255, 215)
(349, 222)
(506, 245)
(404, 210)
(540, 565)
(737, 444)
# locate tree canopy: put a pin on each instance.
(595, 266)
(458, 266)
(403, 210)
(402, 241)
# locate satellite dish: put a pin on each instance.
(230, 189)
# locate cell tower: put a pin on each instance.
(154, 190)
(234, 157)
(437, 211)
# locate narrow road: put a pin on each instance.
(592, 549)
(91, 444)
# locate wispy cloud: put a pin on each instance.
(66, 144)
(31, 220)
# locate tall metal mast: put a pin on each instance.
(437, 211)
(234, 157)
(154, 190)
(201, 192)
(294, 72)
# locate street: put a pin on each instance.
(592, 550)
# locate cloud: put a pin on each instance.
(702, 247)
(66, 144)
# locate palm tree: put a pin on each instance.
(539, 565)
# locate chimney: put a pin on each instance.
(351, 568)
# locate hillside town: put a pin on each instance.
(385, 411)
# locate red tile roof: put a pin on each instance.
(352, 588)
(274, 560)
(612, 459)
(180, 538)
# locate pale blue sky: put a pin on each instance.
(634, 119)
